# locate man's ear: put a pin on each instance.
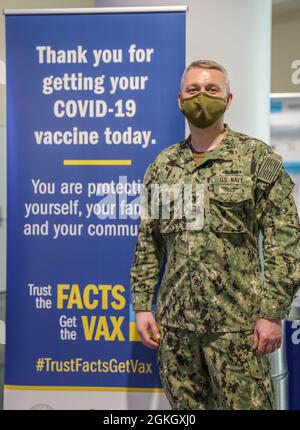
(229, 100)
(179, 100)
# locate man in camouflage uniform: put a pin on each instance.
(216, 318)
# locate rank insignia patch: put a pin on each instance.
(269, 169)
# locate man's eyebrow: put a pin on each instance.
(211, 84)
(196, 84)
(192, 84)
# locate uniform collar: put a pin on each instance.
(225, 150)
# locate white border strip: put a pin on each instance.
(95, 10)
(284, 95)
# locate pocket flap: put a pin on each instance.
(255, 369)
(229, 193)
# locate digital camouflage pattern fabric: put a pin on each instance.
(214, 371)
(212, 276)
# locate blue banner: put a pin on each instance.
(91, 100)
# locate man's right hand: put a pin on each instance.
(145, 323)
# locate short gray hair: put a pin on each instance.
(207, 64)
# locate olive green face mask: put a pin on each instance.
(203, 110)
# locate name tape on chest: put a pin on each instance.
(269, 169)
(230, 179)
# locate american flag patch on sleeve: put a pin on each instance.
(269, 169)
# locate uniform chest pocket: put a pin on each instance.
(230, 207)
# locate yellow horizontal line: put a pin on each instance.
(97, 162)
(113, 389)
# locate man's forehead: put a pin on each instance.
(197, 74)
